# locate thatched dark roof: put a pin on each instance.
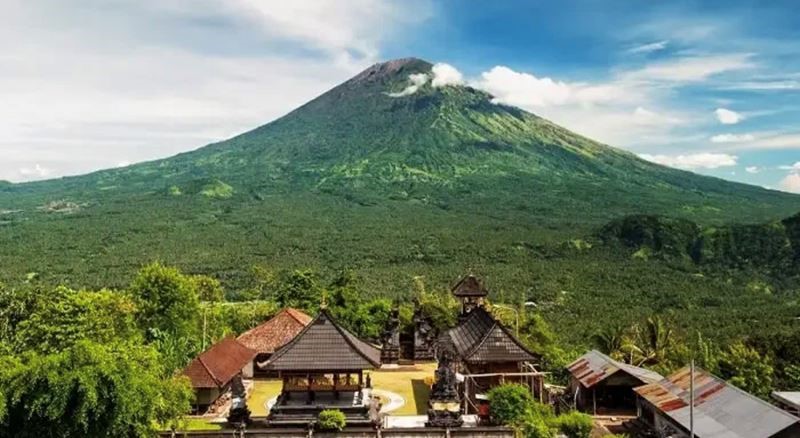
(325, 345)
(482, 339)
(469, 286)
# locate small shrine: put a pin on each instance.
(471, 292)
(239, 414)
(323, 368)
(424, 335)
(444, 404)
(390, 339)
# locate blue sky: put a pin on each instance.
(708, 86)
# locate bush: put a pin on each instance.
(332, 419)
(510, 403)
(536, 426)
(574, 424)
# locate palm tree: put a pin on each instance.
(654, 340)
(610, 340)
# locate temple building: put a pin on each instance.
(323, 368)
(273, 334)
(212, 372)
(471, 292)
(483, 350)
(602, 385)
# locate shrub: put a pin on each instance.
(332, 419)
(510, 403)
(536, 426)
(574, 424)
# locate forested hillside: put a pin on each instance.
(396, 186)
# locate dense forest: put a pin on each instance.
(107, 362)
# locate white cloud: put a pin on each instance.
(617, 112)
(752, 169)
(88, 87)
(732, 138)
(523, 89)
(794, 167)
(416, 80)
(643, 116)
(35, 172)
(650, 47)
(728, 117)
(791, 183)
(705, 160)
(690, 68)
(777, 141)
(357, 27)
(445, 74)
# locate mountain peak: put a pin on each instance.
(392, 69)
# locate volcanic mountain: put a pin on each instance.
(385, 171)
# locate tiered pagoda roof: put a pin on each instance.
(469, 286)
(324, 345)
(482, 339)
(215, 367)
(275, 333)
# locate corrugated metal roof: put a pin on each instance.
(594, 367)
(791, 398)
(720, 409)
(325, 346)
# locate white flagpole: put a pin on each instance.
(691, 399)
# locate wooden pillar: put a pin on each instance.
(594, 401)
(310, 393)
(287, 394)
(335, 384)
(466, 396)
(360, 379)
(541, 389)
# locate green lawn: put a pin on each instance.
(263, 391)
(409, 384)
(194, 423)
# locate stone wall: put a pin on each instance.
(467, 432)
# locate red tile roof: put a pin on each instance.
(215, 367)
(275, 333)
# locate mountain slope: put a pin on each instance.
(356, 177)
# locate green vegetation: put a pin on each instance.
(366, 200)
(513, 405)
(332, 419)
(510, 403)
(75, 364)
(574, 424)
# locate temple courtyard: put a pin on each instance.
(407, 382)
(404, 390)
